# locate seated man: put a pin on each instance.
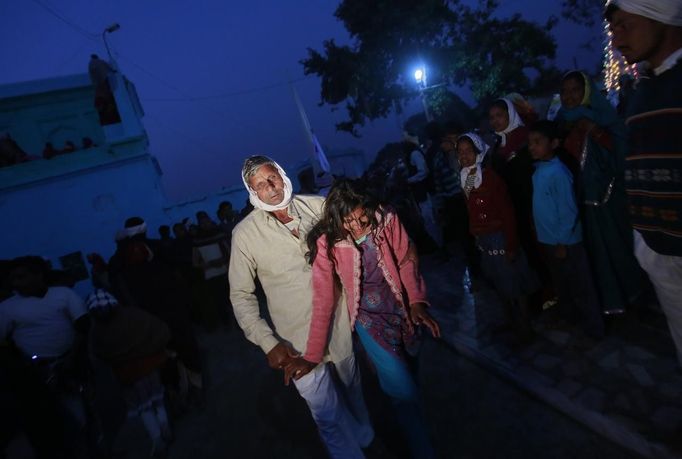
(44, 323)
(48, 327)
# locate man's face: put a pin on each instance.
(179, 231)
(636, 37)
(205, 223)
(27, 282)
(224, 212)
(268, 185)
(448, 143)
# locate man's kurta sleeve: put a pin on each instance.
(242, 276)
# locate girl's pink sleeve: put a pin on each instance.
(408, 261)
(323, 303)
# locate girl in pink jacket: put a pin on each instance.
(363, 248)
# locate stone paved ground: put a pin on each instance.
(627, 387)
(473, 412)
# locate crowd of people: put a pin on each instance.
(572, 217)
(139, 321)
(11, 153)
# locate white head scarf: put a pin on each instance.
(288, 192)
(135, 230)
(664, 11)
(411, 138)
(482, 148)
(100, 299)
(514, 121)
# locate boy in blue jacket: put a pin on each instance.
(559, 231)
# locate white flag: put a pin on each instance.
(320, 157)
(321, 167)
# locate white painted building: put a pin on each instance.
(71, 205)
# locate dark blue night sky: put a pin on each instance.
(181, 50)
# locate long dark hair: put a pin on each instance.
(344, 197)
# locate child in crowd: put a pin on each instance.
(493, 223)
(559, 231)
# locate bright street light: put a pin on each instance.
(419, 75)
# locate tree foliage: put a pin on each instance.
(583, 12)
(446, 106)
(462, 45)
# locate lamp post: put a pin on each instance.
(112, 28)
(420, 77)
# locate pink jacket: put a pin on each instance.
(398, 262)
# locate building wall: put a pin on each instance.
(74, 203)
(80, 211)
(65, 113)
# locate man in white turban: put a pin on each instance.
(270, 243)
(650, 31)
(647, 31)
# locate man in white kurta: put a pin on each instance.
(270, 244)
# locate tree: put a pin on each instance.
(461, 44)
(582, 11)
(445, 106)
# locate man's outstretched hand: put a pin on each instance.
(296, 369)
(280, 355)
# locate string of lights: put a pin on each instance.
(615, 65)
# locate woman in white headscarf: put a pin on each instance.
(596, 141)
(511, 160)
(493, 223)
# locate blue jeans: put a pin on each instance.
(397, 382)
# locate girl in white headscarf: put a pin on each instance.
(511, 160)
(493, 223)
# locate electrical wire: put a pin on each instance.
(185, 96)
(76, 27)
(229, 94)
